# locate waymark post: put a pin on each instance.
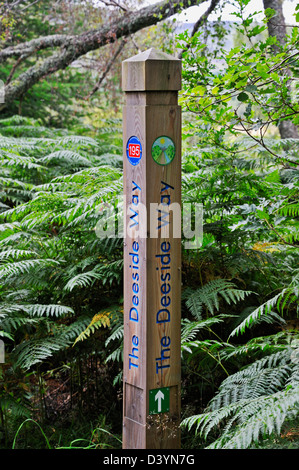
(152, 251)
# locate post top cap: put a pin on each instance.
(151, 54)
(151, 70)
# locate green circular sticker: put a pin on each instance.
(163, 150)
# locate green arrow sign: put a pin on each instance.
(159, 400)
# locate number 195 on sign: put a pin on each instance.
(134, 150)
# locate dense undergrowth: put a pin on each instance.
(61, 291)
(61, 298)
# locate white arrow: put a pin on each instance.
(159, 396)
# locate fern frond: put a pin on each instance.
(18, 268)
(83, 280)
(249, 419)
(16, 407)
(117, 334)
(98, 321)
(265, 345)
(111, 159)
(77, 140)
(205, 422)
(190, 329)
(67, 157)
(105, 319)
(257, 399)
(250, 384)
(116, 355)
(6, 334)
(38, 310)
(12, 322)
(8, 229)
(118, 379)
(209, 347)
(72, 331)
(17, 120)
(195, 305)
(291, 209)
(28, 131)
(35, 351)
(15, 160)
(15, 254)
(209, 294)
(263, 309)
(266, 416)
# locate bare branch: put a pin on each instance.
(30, 5)
(201, 21)
(27, 48)
(13, 70)
(106, 71)
(113, 3)
(76, 46)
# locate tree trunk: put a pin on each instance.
(277, 27)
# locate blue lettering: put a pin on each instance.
(134, 355)
(165, 248)
(132, 217)
(165, 341)
(135, 287)
(165, 259)
(167, 197)
(165, 301)
(165, 288)
(164, 219)
(135, 259)
(135, 199)
(134, 314)
(165, 354)
(138, 187)
(161, 366)
(165, 277)
(135, 202)
(163, 316)
(166, 186)
(135, 246)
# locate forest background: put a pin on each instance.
(61, 286)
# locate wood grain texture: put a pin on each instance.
(152, 257)
(151, 71)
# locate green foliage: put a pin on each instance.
(255, 401)
(245, 89)
(61, 285)
(105, 318)
(284, 299)
(209, 294)
(56, 274)
(49, 249)
(60, 99)
(246, 177)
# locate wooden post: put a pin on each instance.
(152, 251)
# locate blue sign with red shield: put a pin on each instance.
(134, 150)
